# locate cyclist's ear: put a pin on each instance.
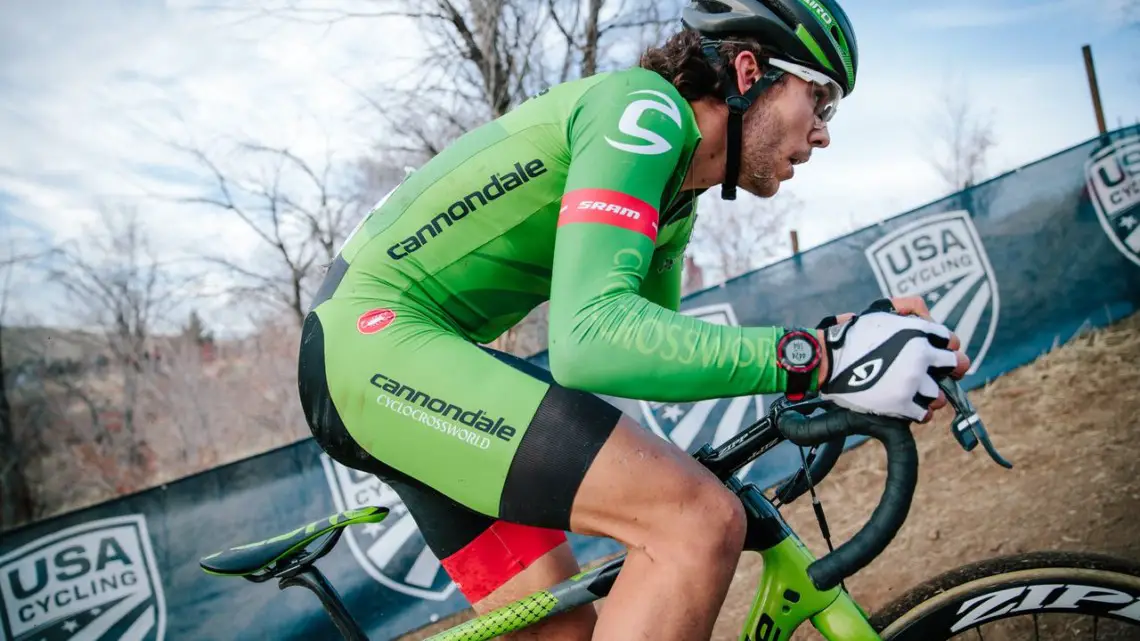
(748, 70)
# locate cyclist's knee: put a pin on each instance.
(709, 523)
(652, 496)
(697, 519)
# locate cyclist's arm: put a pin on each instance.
(662, 284)
(605, 336)
(664, 288)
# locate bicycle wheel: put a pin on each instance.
(1036, 596)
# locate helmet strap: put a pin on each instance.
(737, 105)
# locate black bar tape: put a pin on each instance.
(816, 430)
(894, 505)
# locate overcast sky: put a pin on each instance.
(91, 94)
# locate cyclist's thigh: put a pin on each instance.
(484, 449)
(642, 488)
(460, 418)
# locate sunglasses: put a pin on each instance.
(827, 104)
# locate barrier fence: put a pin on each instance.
(1015, 266)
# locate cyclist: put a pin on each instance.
(585, 196)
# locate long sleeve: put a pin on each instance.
(614, 328)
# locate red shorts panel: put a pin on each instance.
(497, 555)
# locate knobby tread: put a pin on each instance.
(999, 565)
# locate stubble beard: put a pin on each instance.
(762, 135)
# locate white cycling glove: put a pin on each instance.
(882, 363)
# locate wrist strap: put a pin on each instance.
(798, 380)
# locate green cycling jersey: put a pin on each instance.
(577, 196)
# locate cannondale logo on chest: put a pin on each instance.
(498, 185)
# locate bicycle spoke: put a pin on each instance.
(1036, 629)
(1095, 619)
(979, 631)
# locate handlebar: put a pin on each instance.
(889, 515)
(804, 424)
(819, 465)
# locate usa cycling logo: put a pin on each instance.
(651, 143)
(392, 551)
(941, 259)
(1113, 178)
(690, 425)
(93, 581)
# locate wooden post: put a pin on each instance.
(1094, 89)
(795, 243)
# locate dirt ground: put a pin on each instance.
(1070, 424)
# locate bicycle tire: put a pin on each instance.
(1036, 583)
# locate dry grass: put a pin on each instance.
(1069, 422)
(190, 415)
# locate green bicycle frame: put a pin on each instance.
(785, 597)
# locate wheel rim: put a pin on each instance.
(1107, 607)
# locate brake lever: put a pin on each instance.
(967, 426)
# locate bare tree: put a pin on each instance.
(479, 58)
(376, 175)
(964, 138)
(295, 207)
(592, 30)
(733, 238)
(15, 494)
(213, 403)
(118, 287)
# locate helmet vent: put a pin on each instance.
(777, 7)
(713, 6)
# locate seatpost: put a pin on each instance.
(310, 577)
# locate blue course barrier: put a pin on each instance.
(1015, 266)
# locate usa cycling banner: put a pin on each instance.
(1014, 266)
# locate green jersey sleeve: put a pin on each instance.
(662, 283)
(614, 328)
(663, 287)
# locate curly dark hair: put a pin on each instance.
(681, 62)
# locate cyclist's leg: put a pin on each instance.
(684, 530)
(400, 414)
(495, 562)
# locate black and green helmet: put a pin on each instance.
(813, 33)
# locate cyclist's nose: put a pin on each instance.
(820, 136)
